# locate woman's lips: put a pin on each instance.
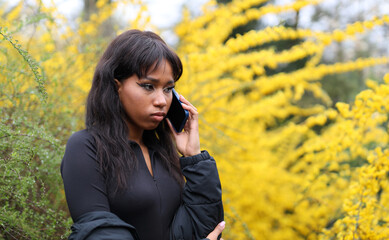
(159, 116)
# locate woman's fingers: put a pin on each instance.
(192, 110)
(188, 106)
(217, 231)
(183, 100)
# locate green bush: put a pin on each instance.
(31, 193)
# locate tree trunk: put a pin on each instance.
(107, 27)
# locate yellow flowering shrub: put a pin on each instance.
(46, 67)
(364, 203)
(290, 169)
(286, 166)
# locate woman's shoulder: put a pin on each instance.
(80, 150)
(80, 139)
(80, 136)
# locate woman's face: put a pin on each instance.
(147, 100)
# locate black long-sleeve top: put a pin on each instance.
(149, 202)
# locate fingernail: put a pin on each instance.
(222, 224)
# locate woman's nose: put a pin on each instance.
(160, 99)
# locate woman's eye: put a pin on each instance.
(146, 86)
(168, 90)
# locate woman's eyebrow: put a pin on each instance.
(157, 80)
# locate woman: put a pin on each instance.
(122, 175)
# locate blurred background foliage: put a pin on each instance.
(294, 110)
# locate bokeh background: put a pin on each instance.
(293, 99)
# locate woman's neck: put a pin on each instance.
(136, 135)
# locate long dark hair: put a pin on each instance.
(132, 52)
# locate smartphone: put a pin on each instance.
(177, 114)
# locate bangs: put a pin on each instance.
(144, 55)
(156, 55)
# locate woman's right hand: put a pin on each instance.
(217, 231)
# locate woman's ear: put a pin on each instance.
(118, 85)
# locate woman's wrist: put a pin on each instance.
(185, 161)
(192, 153)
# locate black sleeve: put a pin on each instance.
(202, 206)
(84, 185)
(102, 225)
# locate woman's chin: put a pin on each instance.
(152, 126)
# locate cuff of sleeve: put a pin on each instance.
(186, 161)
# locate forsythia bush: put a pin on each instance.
(290, 168)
